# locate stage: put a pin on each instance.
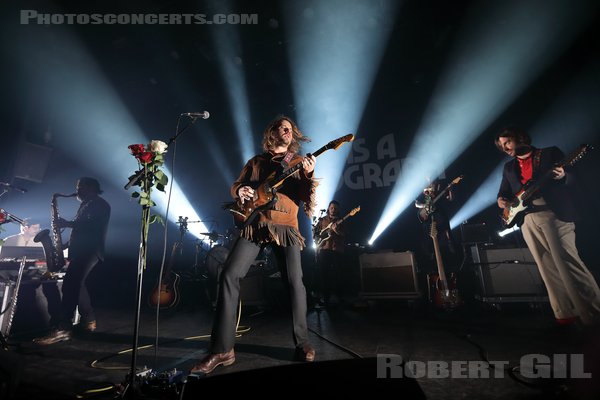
(476, 351)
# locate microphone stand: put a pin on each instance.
(185, 128)
(132, 389)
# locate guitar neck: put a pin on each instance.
(167, 270)
(548, 175)
(442, 193)
(290, 171)
(438, 259)
(345, 218)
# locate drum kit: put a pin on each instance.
(209, 263)
(221, 245)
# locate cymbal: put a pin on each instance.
(212, 234)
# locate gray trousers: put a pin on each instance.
(236, 267)
(572, 289)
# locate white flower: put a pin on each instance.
(158, 146)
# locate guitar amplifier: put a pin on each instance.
(389, 275)
(507, 275)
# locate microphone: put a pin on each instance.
(203, 114)
(9, 186)
(134, 179)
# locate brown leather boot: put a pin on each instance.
(212, 361)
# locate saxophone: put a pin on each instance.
(53, 247)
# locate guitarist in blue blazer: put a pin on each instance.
(547, 220)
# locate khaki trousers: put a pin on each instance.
(572, 289)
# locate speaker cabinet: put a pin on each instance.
(388, 275)
(32, 161)
(507, 275)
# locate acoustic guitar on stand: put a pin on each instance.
(443, 291)
(166, 295)
(265, 194)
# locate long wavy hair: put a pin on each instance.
(270, 135)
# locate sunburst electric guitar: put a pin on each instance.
(443, 291)
(265, 194)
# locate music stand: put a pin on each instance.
(30, 252)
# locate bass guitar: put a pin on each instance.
(325, 233)
(429, 207)
(515, 213)
(443, 291)
(265, 194)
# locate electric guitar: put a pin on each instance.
(429, 207)
(515, 213)
(443, 292)
(265, 194)
(325, 233)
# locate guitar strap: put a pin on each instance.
(536, 161)
(285, 161)
(537, 158)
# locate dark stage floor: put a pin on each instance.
(348, 338)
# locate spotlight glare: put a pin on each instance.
(508, 231)
(466, 101)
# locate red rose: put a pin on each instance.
(145, 157)
(136, 149)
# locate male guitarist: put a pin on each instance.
(330, 236)
(276, 226)
(548, 226)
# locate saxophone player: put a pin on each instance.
(86, 249)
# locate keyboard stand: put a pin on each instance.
(13, 305)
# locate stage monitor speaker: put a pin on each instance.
(388, 275)
(508, 275)
(32, 161)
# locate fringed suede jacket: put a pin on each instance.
(279, 225)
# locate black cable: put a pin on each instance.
(335, 344)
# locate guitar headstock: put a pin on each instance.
(354, 211)
(457, 179)
(335, 144)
